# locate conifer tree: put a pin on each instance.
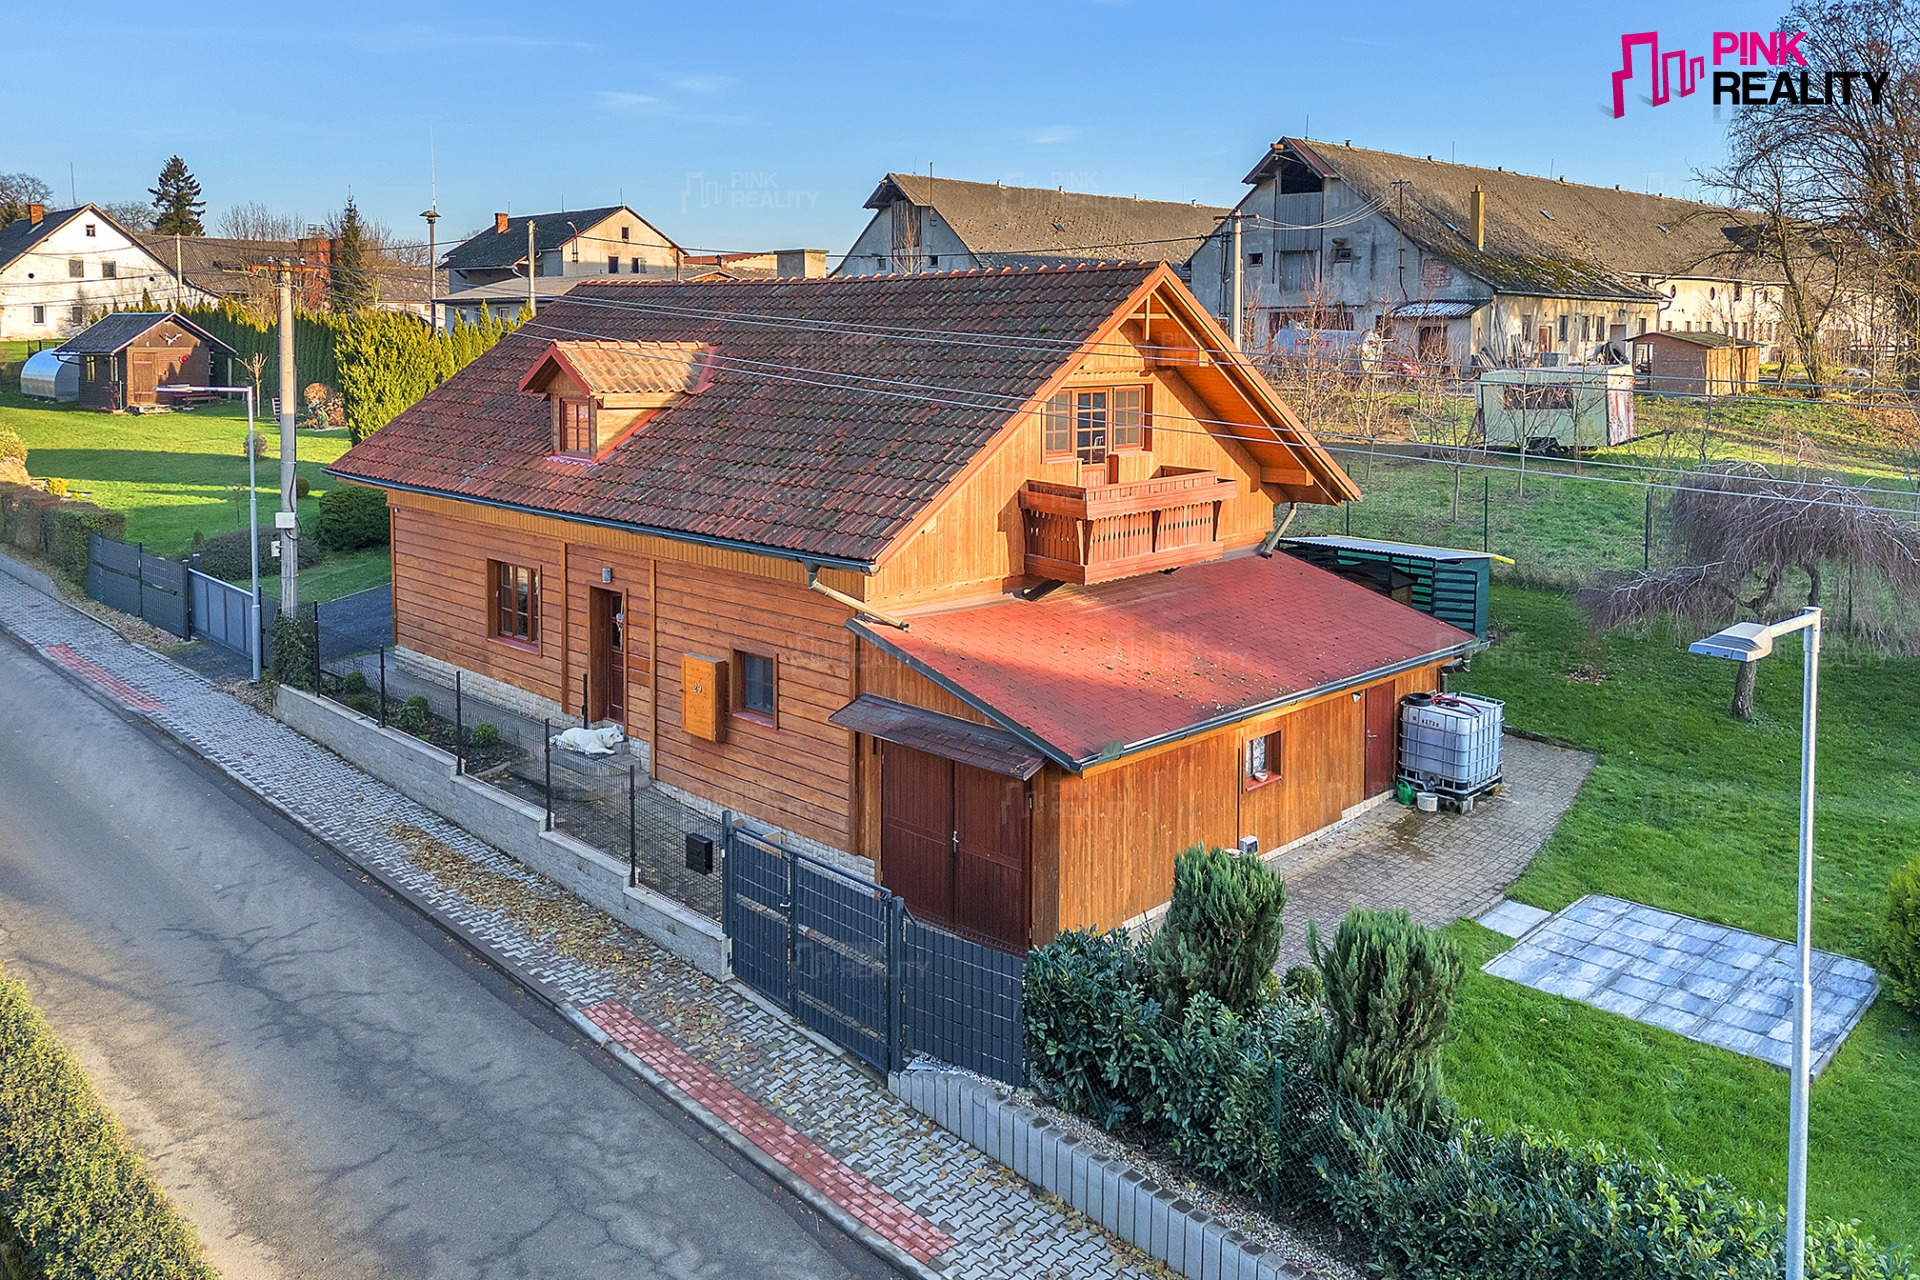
(350, 286)
(1221, 935)
(176, 201)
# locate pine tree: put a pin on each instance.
(1222, 932)
(1389, 992)
(176, 201)
(350, 271)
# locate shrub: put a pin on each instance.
(296, 651)
(1215, 1073)
(56, 486)
(484, 736)
(225, 555)
(1087, 1023)
(199, 539)
(413, 716)
(1389, 991)
(302, 487)
(356, 682)
(67, 526)
(12, 447)
(353, 516)
(1900, 950)
(75, 1199)
(1302, 984)
(365, 703)
(1222, 932)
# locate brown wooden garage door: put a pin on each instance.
(953, 843)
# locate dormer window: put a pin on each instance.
(575, 426)
(599, 393)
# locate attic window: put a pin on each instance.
(1452, 228)
(1058, 227)
(575, 423)
(624, 231)
(1546, 215)
(1343, 251)
(1662, 230)
(90, 230)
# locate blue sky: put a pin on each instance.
(737, 126)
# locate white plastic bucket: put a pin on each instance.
(1426, 801)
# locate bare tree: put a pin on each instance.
(254, 221)
(17, 191)
(1742, 532)
(134, 215)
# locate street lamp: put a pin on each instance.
(253, 516)
(1750, 642)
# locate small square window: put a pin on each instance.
(1343, 251)
(90, 229)
(755, 694)
(624, 232)
(1263, 759)
(109, 269)
(933, 259)
(77, 268)
(613, 264)
(882, 262)
(1057, 426)
(39, 315)
(78, 315)
(1255, 259)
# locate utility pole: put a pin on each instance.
(1400, 225)
(284, 522)
(532, 306)
(179, 277)
(1237, 263)
(432, 215)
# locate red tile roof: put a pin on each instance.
(630, 368)
(824, 432)
(1116, 668)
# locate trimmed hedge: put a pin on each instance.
(56, 528)
(76, 1201)
(353, 516)
(225, 555)
(296, 651)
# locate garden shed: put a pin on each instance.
(1451, 585)
(1548, 408)
(1698, 363)
(126, 357)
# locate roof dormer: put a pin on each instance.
(600, 392)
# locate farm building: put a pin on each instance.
(1549, 408)
(127, 356)
(1698, 363)
(934, 643)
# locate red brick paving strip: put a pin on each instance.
(69, 657)
(773, 1135)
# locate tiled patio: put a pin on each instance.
(1707, 982)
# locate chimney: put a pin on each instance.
(35, 212)
(499, 224)
(1477, 211)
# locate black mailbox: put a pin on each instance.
(700, 854)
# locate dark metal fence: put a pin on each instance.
(128, 579)
(845, 956)
(220, 612)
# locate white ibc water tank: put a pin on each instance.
(1451, 741)
(47, 377)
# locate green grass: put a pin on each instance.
(1691, 811)
(173, 474)
(336, 576)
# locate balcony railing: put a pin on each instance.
(1097, 533)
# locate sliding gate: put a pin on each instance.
(846, 957)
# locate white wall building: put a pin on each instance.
(58, 267)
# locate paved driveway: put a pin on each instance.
(1441, 867)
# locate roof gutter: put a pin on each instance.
(651, 531)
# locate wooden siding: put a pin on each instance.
(800, 774)
(885, 676)
(632, 575)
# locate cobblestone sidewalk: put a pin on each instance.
(934, 1198)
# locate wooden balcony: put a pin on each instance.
(1097, 533)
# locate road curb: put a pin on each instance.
(802, 1190)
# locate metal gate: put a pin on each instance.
(128, 579)
(222, 612)
(845, 956)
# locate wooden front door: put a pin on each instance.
(953, 843)
(143, 375)
(1382, 727)
(606, 656)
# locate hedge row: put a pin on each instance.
(76, 1202)
(54, 527)
(1237, 1100)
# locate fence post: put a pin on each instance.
(896, 984)
(633, 857)
(583, 700)
(140, 574)
(793, 931)
(1486, 513)
(383, 686)
(459, 727)
(546, 738)
(1646, 555)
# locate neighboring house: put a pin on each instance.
(910, 601)
(483, 269)
(927, 224)
(1462, 264)
(127, 356)
(240, 270)
(60, 266)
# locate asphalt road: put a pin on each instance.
(329, 1084)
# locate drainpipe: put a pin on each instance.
(858, 606)
(1272, 539)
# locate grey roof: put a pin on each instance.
(19, 236)
(1444, 555)
(1697, 337)
(1028, 226)
(115, 331)
(1544, 236)
(502, 249)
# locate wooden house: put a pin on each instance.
(127, 356)
(1698, 362)
(953, 579)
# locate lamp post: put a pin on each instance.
(253, 518)
(1750, 642)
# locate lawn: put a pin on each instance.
(340, 574)
(176, 474)
(1694, 812)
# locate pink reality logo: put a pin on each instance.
(1675, 74)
